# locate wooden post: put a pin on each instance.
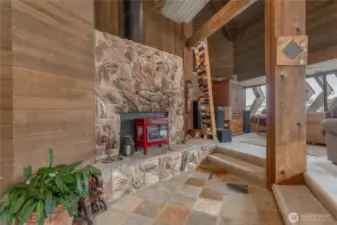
(286, 57)
(187, 31)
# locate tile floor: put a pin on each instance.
(195, 198)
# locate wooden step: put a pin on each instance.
(245, 170)
(299, 206)
(324, 189)
(253, 159)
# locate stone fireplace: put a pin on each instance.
(134, 78)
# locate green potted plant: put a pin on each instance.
(48, 197)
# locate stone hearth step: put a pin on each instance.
(243, 169)
(324, 190)
(299, 206)
(253, 159)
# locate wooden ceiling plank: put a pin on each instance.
(232, 9)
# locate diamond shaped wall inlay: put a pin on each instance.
(292, 50)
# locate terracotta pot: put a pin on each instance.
(59, 216)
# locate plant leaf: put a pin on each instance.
(86, 181)
(45, 170)
(17, 204)
(27, 172)
(50, 157)
(70, 179)
(34, 181)
(90, 169)
(63, 168)
(9, 219)
(14, 188)
(68, 206)
(40, 212)
(27, 209)
(59, 183)
(79, 183)
(48, 205)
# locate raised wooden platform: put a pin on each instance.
(299, 206)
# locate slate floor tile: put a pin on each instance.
(174, 215)
(192, 199)
(195, 182)
(237, 188)
(135, 220)
(200, 218)
(211, 194)
(159, 195)
(227, 221)
(112, 217)
(231, 178)
(190, 191)
(235, 208)
(182, 177)
(157, 222)
(171, 187)
(200, 175)
(128, 203)
(149, 208)
(208, 206)
(266, 217)
(186, 196)
(262, 198)
(219, 186)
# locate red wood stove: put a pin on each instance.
(151, 132)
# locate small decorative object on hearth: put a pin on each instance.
(129, 146)
(94, 203)
(109, 143)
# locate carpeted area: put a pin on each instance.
(258, 142)
(313, 150)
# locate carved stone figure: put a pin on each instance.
(94, 202)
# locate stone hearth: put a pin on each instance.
(139, 171)
(132, 77)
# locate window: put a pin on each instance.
(250, 97)
(332, 81)
(264, 103)
(317, 91)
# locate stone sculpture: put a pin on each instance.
(94, 203)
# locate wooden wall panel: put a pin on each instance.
(220, 49)
(249, 43)
(107, 16)
(160, 32)
(6, 96)
(53, 81)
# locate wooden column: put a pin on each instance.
(187, 30)
(286, 122)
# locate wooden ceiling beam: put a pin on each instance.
(228, 29)
(232, 9)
